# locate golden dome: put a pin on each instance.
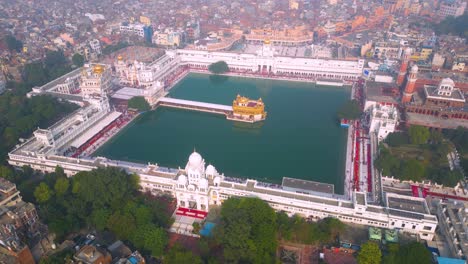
(120, 58)
(98, 69)
(267, 41)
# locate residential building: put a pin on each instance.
(383, 120)
(453, 224)
(92, 255)
(453, 8)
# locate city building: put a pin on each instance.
(95, 46)
(265, 61)
(95, 79)
(454, 8)
(168, 38)
(137, 29)
(132, 29)
(439, 106)
(155, 73)
(293, 36)
(92, 255)
(453, 224)
(198, 186)
(383, 120)
(18, 221)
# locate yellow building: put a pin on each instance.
(145, 20)
(247, 110)
(425, 53)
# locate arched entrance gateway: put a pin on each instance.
(192, 189)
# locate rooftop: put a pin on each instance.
(6, 185)
(411, 205)
(308, 185)
(381, 92)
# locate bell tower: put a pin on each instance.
(410, 85)
(404, 66)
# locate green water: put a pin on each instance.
(300, 137)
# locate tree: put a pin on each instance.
(13, 44)
(418, 134)
(6, 173)
(396, 139)
(413, 252)
(56, 64)
(370, 254)
(103, 188)
(452, 25)
(139, 103)
(179, 255)
(155, 240)
(247, 231)
(350, 110)
(78, 60)
(412, 170)
(219, 67)
(61, 186)
(42, 193)
(34, 74)
(99, 218)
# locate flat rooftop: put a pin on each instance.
(308, 185)
(381, 92)
(6, 185)
(432, 91)
(417, 206)
(135, 53)
(433, 121)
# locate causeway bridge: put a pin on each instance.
(195, 106)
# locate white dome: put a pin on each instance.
(195, 158)
(210, 170)
(182, 180)
(414, 69)
(447, 82)
(203, 183)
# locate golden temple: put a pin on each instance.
(245, 109)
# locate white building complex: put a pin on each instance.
(199, 186)
(383, 120)
(264, 62)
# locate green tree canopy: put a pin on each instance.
(411, 253)
(139, 103)
(219, 67)
(61, 186)
(419, 134)
(178, 255)
(247, 231)
(78, 60)
(370, 254)
(297, 229)
(42, 193)
(412, 170)
(396, 139)
(459, 137)
(454, 26)
(34, 74)
(350, 110)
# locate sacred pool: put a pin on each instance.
(300, 138)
